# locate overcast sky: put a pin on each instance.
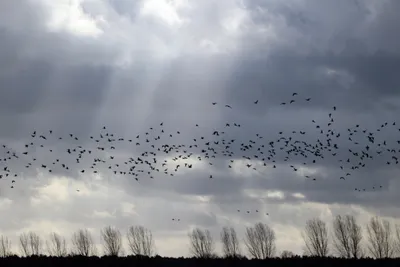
(74, 66)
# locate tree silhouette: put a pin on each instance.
(57, 246)
(315, 237)
(383, 241)
(379, 237)
(201, 243)
(30, 244)
(397, 240)
(140, 241)
(260, 241)
(82, 243)
(5, 246)
(347, 236)
(24, 244)
(287, 254)
(112, 241)
(230, 242)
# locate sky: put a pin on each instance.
(74, 66)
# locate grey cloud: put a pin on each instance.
(342, 54)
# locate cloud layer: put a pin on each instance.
(76, 66)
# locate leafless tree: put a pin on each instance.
(230, 242)
(56, 246)
(347, 236)
(260, 241)
(380, 240)
(397, 242)
(24, 244)
(315, 238)
(112, 241)
(83, 244)
(30, 244)
(140, 241)
(201, 243)
(35, 243)
(287, 254)
(5, 246)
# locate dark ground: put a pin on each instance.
(44, 261)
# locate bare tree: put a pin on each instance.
(201, 243)
(36, 243)
(230, 242)
(287, 254)
(56, 246)
(30, 244)
(379, 236)
(83, 244)
(140, 241)
(260, 241)
(112, 241)
(397, 242)
(5, 246)
(315, 238)
(24, 244)
(347, 236)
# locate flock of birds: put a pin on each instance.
(156, 153)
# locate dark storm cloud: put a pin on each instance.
(382, 31)
(37, 95)
(342, 54)
(356, 83)
(24, 90)
(362, 80)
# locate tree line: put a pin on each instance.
(345, 240)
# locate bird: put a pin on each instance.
(219, 143)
